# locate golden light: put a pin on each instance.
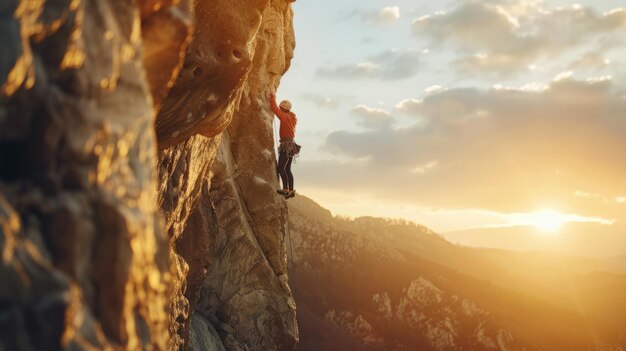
(547, 220)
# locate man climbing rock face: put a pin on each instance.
(288, 148)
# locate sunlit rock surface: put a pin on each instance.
(223, 81)
(109, 226)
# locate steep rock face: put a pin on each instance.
(229, 239)
(85, 260)
(190, 222)
(246, 291)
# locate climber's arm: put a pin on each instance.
(277, 111)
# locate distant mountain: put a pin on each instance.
(581, 239)
(374, 284)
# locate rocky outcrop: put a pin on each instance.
(227, 228)
(111, 116)
(85, 261)
(246, 291)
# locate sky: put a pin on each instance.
(463, 114)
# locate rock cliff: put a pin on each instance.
(137, 205)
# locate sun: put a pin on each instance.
(547, 220)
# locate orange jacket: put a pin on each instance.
(288, 120)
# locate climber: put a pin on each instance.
(288, 148)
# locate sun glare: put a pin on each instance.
(547, 220)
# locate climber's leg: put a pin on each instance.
(282, 169)
(289, 174)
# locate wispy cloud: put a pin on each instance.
(388, 65)
(326, 101)
(386, 15)
(591, 61)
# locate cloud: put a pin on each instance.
(409, 107)
(504, 149)
(346, 15)
(366, 69)
(504, 37)
(372, 118)
(391, 13)
(425, 167)
(384, 16)
(388, 65)
(591, 61)
(331, 102)
(387, 15)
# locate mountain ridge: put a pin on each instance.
(388, 276)
(580, 240)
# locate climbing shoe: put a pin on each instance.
(282, 192)
(290, 194)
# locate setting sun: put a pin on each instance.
(547, 220)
